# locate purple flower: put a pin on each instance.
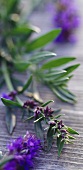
(63, 133)
(24, 150)
(60, 124)
(9, 96)
(52, 123)
(30, 103)
(66, 17)
(37, 112)
(6, 96)
(48, 112)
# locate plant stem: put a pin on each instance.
(6, 76)
(8, 80)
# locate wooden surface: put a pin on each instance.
(72, 155)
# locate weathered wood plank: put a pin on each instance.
(72, 155)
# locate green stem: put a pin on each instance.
(8, 80)
(6, 76)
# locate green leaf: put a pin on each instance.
(60, 81)
(71, 137)
(61, 147)
(45, 104)
(54, 74)
(72, 131)
(39, 131)
(12, 6)
(39, 119)
(62, 96)
(70, 69)
(29, 118)
(43, 40)
(10, 103)
(67, 93)
(57, 62)
(10, 119)
(27, 84)
(44, 55)
(24, 29)
(56, 117)
(60, 144)
(50, 134)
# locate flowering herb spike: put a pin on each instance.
(54, 130)
(66, 17)
(21, 153)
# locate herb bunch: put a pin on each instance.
(15, 43)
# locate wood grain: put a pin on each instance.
(72, 155)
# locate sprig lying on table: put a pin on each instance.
(48, 127)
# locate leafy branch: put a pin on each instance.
(19, 53)
(47, 124)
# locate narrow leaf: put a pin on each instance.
(71, 69)
(71, 137)
(72, 131)
(62, 96)
(24, 29)
(54, 73)
(42, 56)
(61, 147)
(10, 103)
(27, 84)
(43, 40)
(57, 62)
(39, 131)
(66, 93)
(29, 118)
(45, 104)
(37, 120)
(56, 117)
(50, 134)
(10, 120)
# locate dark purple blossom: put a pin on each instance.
(30, 103)
(9, 96)
(60, 124)
(24, 150)
(37, 112)
(52, 123)
(66, 17)
(48, 112)
(63, 133)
